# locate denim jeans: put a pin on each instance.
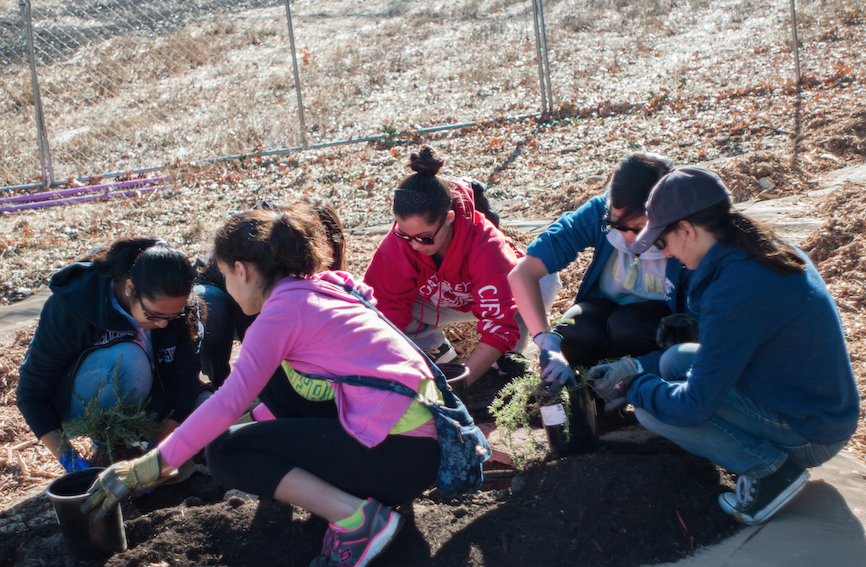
(742, 436)
(428, 335)
(134, 377)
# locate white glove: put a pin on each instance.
(555, 370)
(607, 379)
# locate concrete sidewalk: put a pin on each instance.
(825, 525)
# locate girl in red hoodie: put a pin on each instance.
(444, 262)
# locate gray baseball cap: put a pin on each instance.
(677, 195)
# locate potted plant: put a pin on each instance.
(569, 416)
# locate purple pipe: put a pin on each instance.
(102, 197)
(76, 190)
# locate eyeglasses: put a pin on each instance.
(621, 227)
(161, 318)
(421, 239)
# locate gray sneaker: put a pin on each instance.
(445, 353)
(757, 499)
(356, 548)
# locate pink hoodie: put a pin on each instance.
(317, 327)
(473, 275)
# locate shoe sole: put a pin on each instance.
(764, 515)
(448, 356)
(384, 538)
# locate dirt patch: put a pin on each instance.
(624, 505)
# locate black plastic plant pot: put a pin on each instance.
(582, 424)
(456, 375)
(85, 539)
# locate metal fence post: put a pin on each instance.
(541, 54)
(297, 76)
(41, 132)
(795, 46)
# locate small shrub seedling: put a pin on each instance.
(124, 422)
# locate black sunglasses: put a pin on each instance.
(421, 239)
(169, 318)
(620, 227)
(660, 242)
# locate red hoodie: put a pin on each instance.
(473, 275)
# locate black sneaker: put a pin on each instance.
(445, 353)
(757, 499)
(510, 365)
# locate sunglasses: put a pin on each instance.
(422, 239)
(621, 227)
(660, 242)
(161, 318)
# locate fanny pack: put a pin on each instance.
(462, 446)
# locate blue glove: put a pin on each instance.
(556, 372)
(72, 461)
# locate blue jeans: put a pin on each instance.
(742, 436)
(134, 377)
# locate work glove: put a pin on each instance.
(119, 481)
(556, 372)
(246, 418)
(72, 461)
(607, 379)
(618, 399)
(675, 329)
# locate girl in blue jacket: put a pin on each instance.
(128, 302)
(770, 390)
(621, 300)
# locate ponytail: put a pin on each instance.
(732, 227)
(156, 270)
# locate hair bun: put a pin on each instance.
(426, 161)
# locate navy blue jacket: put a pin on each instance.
(776, 338)
(79, 318)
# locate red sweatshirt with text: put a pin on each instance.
(473, 275)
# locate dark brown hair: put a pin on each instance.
(155, 269)
(729, 226)
(634, 177)
(279, 244)
(433, 191)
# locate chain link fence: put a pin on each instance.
(129, 85)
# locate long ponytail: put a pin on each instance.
(729, 226)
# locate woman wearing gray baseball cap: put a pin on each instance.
(770, 391)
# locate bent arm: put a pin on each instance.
(524, 280)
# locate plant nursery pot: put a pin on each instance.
(582, 424)
(85, 539)
(456, 375)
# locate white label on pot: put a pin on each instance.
(552, 415)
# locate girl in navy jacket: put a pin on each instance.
(129, 302)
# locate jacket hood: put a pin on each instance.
(84, 292)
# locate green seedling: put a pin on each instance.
(123, 422)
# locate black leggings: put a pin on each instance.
(604, 329)
(255, 457)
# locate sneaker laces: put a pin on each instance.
(744, 489)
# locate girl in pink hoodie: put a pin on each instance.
(345, 453)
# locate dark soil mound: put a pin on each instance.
(625, 505)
